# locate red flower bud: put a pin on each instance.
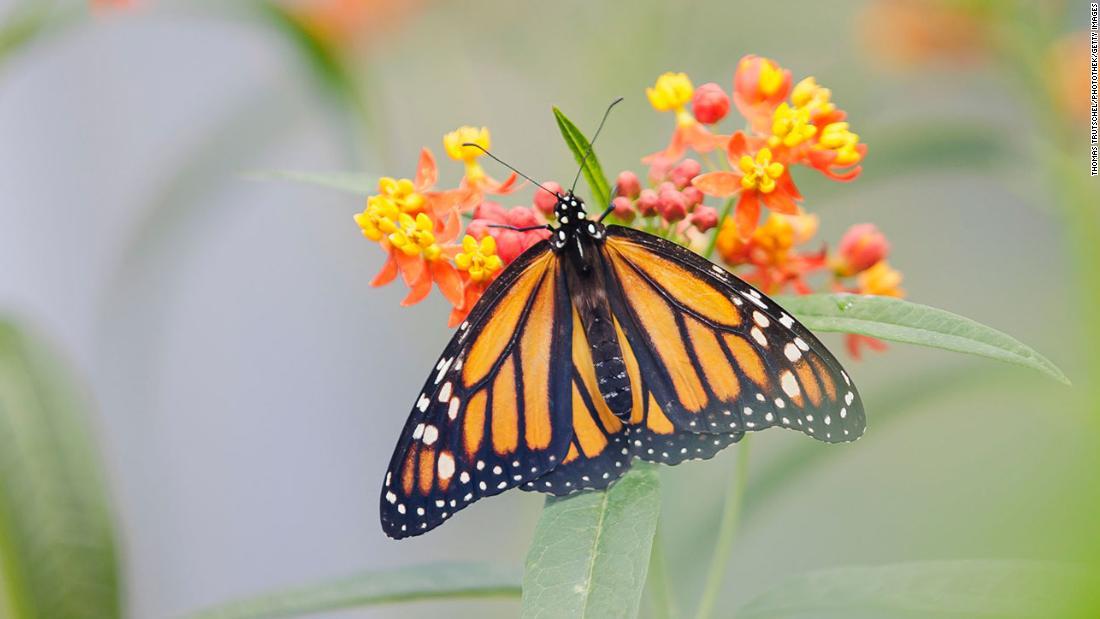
(647, 202)
(860, 249)
(704, 218)
(624, 209)
(628, 184)
(693, 195)
(522, 217)
(684, 171)
(545, 202)
(710, 103)
(667, 186)
(672, 205)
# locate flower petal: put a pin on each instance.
(718, 184)
(387, 274)
(426, 171)
(748, 213)
(781, 203)
(418, 289)
(448, 280)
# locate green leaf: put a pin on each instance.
(888, 318)
(408, 584)
(57, 547)
(593, 173)
(967, 588)
(591, 550)
(351, 182)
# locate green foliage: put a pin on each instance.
(898, 320)
(593, 173)
(979, 588)
(57, 546)
(351, 182)
(406, 584)
(591, 550)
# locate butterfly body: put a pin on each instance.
(597, 346)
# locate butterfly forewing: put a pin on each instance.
(486, 419)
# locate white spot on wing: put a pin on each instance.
(786, 320)
(758, 335)
(431, 433)
(452, 410)
(760, 319)
(446, 465)
(445, 392)
(789, 384)
(792, 352)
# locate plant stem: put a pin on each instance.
(727, 532)
(727, 208)
(664, 603)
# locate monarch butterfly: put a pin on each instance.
(598, 345)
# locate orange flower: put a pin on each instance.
(475, 176)
(758, 177)
(881, 280)
(412, 224)
(341, 24)
(478, 264)
(1068, 69)
(910, 32)
(861, 247)
(772, 250)
(672, 93)
(759, 86)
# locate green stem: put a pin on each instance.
(727, 208)
(727, 532)
(661, 595)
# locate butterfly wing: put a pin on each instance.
(718, 356)
(487, 417)
(604, 445)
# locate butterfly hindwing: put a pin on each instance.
(718, 355)
(488, 418)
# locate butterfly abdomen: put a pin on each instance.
(607, 357)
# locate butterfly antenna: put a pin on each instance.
(593, 142)
(498, 160)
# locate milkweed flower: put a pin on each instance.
(861, 247)
(672, 92)
(772, 249)
(509, 243)
(758, 177)
(478, 264)
(759, 86)
(475, 176)
(412, 223)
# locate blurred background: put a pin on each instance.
(243, 384)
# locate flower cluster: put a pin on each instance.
(787, 125)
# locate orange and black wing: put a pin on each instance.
(717, 355)
(603, 445)
(488, 418)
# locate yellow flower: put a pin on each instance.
(882, 280)
(379, 218)
(791, 126)
(760, 173)
(672, 93)
(808, 95)
(837, 137)
(414, 236)
(479, 260)
(403, 194)
(453, 143)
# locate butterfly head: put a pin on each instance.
(573, 222)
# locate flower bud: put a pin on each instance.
(545, 202)
(628, 184)
(647, 202)
(684, 172)
(522, 217)
(860, 248)
(693, 195)
(671, 205)
(710, 103)
(704, 218)
(624, 209)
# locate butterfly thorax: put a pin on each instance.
(579, 241)
(576, 233)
